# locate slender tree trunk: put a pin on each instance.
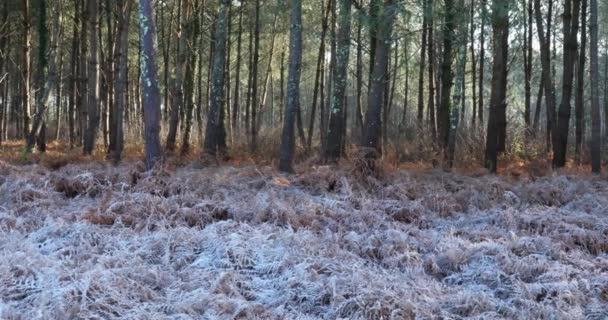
(560, 136)
(4, 71)
(249, 99)
(237, 85)
(546, 66)
(330, 73)
(177, 92)
(293, 88)
(25, 67)
(527, 64)
(580, 86)
(423, 46)
(38, 126)
(596, 134)
(458, 101)
(264, 95)
(406, 89)
(473, 68)
(432, 60)
(73, 79)
(606, 93)
(318, 76)
(500, 29)
(192, 30)
(254, 80)
(214, 118)
(370, 143)
(149, 84)
(90, 134)
(447, 74)
(120, 80)
(359, 76)
(482, 59)
(338, 92)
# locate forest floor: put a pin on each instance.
(88, 240)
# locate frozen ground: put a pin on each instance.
(98, 242)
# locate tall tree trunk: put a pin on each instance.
(192, 35)
(90, 134)
(264, 96)
(370, 144)
(359, 76)
(546, 66)
(482, 59)
(149, 84)
(254, 79)
(527, 64)
(214, 118)
(73, 79)
(177, 92)
(83, 68)
(293, 88)
(120, 79)
(4, 83)
(596, 134)
(606, 93)
(560, 136)
(318, 76)
(579, 108)
(500, 30)
(38, 126)
(473, 68)
(432, 60)
(249, 98)
(423, 46)
(25, 67)
(237, 85)
(447, 74)
(338, 91)
(406, 89)
(458, 101)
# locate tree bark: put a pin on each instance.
(177, 92)
(237, 85)
(546, 67)
(149, 84)
(447, 74)
(318, 76)
(423, 46)
(570, 31)
(44, 98)
(90, 134)
(338, 93)
(254, 79)
(293, 88)
(214, 118)
(370, 144)
(120, 79)
(500, 30)
(596, 134)
(482, 59)
(25, 67)
(579, 107)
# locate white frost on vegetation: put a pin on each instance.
(99, 242)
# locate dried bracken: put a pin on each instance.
(93, 241)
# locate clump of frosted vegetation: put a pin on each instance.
(100, 242)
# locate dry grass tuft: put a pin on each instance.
(92, 240)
